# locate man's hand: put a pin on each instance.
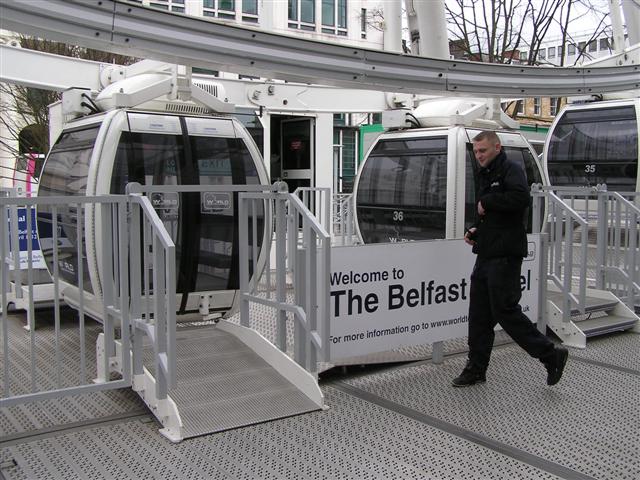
(468, 237)
(481, 210)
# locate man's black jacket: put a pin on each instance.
(504, 194)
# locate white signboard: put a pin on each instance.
(389, 295)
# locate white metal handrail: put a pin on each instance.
(618, 243)
(153, 297)
(46, 366)
(318, 201)
(302, 240)
(343, 218)
(563, 222)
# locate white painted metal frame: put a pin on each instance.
(146, 32)
(113, 209)
(563, 222)
(618, 244)
(304, 245)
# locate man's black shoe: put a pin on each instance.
(468, 377)
(555, 364)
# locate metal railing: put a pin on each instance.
(318, 201)
(343, 219)
(563, 224)
(594, 240)
(302, 247)
(618, 244)
(153, 295)
(48, 371)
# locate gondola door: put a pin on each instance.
(297, 145)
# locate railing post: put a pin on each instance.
(601, 239)
(281, 267)
(542, 287)
(136, 278)
(243, 236)
(4, 287)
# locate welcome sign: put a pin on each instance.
(384, 296)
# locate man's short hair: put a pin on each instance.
(488, 135)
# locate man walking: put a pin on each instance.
(499, 240)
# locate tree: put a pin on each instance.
(24, 111)
(497, 30)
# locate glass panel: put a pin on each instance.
(402, 191)
(204, 227)
(598, 145)
(296, 145)
(307, 11)
(293, 10)
(221, 161)
(250, 6)
(328, 12)
(228, 5)
(342, 13)
(65, 173)
(208, 3)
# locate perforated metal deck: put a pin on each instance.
(387, 422)
(223, 384)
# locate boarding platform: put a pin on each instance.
(331, 367)
(392, 420)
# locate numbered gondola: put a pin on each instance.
(595, 143)
(420, 184)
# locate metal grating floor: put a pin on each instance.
(223, 384)
(384, 422)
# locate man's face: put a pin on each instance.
(485, 151)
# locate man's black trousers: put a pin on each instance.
(494, 298)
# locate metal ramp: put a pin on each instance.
(603, 313)
(225, 383)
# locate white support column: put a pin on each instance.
(414, 31)
(432, 25)
(616, 23)
(265, 121)
(631, 10)
(393, 26)
(324, 150)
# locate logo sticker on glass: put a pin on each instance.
(215, 202)
(166, 205)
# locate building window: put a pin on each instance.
(536, 105)
(542, 53)
(560, 51)
(552, 52)
(250, 11)
(302, 14)
(172, 5)
(554, 105)
(219, 8)
(520, 107)
(524, 56)
(604, 44)
(363, 23)
(334, 17)
(593, 46)
(582, 47)
(572, 50)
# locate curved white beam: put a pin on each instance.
(135, 30)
